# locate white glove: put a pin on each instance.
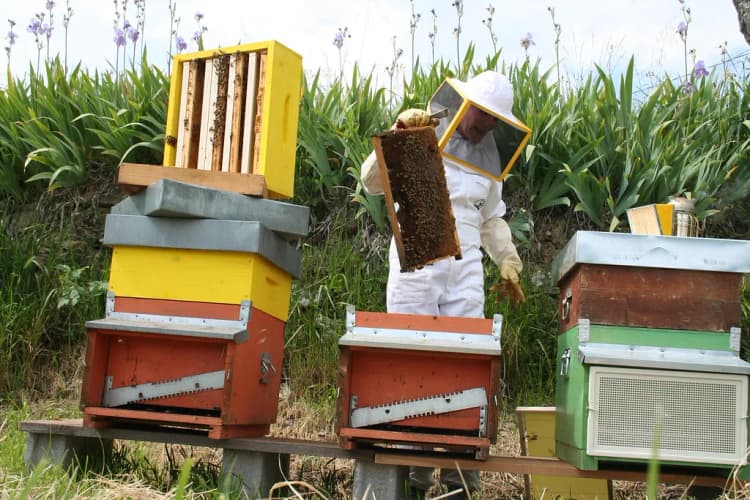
(498, 243)
(414, 118)
(369, 172)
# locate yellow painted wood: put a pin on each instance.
(280, 115)
(665, 211)
(200, 276)
(173, 114)
(539, 423)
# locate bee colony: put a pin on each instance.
(416, 194)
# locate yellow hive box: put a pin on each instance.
(200, 276)
(537, 424)
(235, 110)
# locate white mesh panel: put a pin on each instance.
(694, 417)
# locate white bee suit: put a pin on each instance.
(452, 287)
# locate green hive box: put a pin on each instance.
(623, 392)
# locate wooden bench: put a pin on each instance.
(261, 462)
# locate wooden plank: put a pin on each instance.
(547, 466)
(248, 127)
(134, 177)
(229, 107)
(191, 125)
(238, 108)
(420, 322)
(207, 113)
(443, 440)
(494, 463)
(74, 427)
(259, 112)
(218, 118)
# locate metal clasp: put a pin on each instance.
(565, 362)
(266, 368)
(566, 303)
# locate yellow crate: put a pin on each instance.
(538, 425)
(275, 137)
(200, 276)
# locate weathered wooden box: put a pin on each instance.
(432, 382)
(207, 366)
(651, 281)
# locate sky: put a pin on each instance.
(603, 32)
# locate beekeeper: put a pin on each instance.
(472, 161)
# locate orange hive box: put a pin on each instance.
(212, 367)
(427, 381)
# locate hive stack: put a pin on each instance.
(198, 299)
(648, 351)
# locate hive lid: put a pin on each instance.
(203, 234)
(642, 250)
(170, 198)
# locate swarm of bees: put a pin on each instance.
(418, 188)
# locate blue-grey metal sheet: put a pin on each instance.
(203, 234)
(645, 250)
(169, 198)
(665, 358)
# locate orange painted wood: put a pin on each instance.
(651, 297)
(381, 376)
(413, 437)
(238, 431)
(150, 416)
(421, 322)
(248, 398)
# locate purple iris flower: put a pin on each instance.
(35, 26)
(181, 44)
(133, 35)
(11, 37)
(682, 29)
(527, 41)
(198, 16)
(119, 38)
(338, 40)
(688, 87)
(50, 5)
(700, 69)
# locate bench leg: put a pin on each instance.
(257, 471)
(66, 451)
(379, 482)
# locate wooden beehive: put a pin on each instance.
(397, 370)
(172, 363)
(416, 195)
(233, 113)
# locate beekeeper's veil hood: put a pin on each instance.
(491, 92)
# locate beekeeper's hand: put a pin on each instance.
(414, 118)
(498, 243)
(510, 286)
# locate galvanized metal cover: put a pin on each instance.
(643, 250)
(388, 338)
(169, 198)
(203, 234)
(665, 358)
